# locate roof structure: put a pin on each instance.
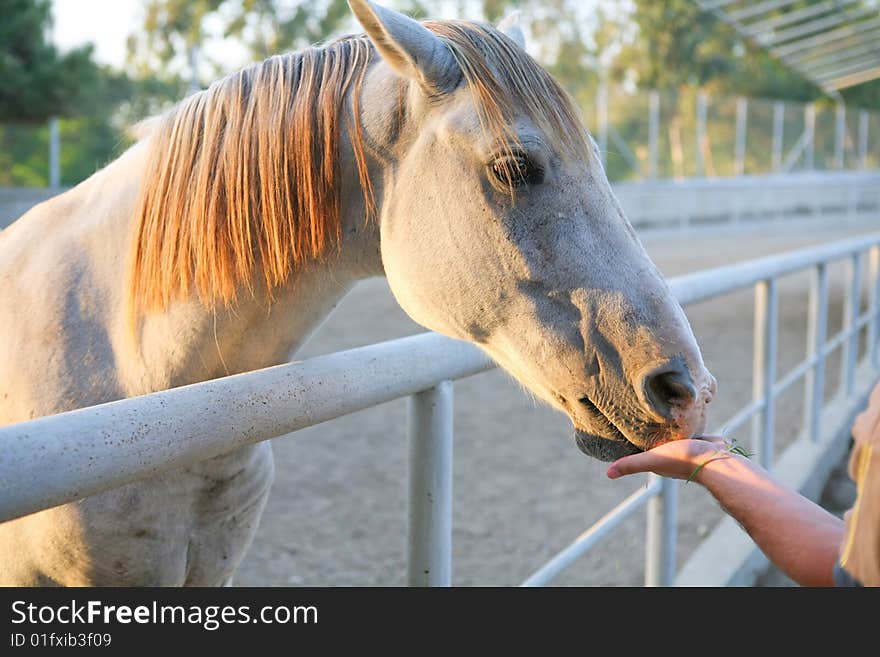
(834, 43)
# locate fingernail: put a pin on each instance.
(612, 472)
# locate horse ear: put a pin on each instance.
(510, 26)
(410, 48)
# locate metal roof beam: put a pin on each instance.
(826, 37)
(843, 49)
(831, 42)
(855, 67)
(819, 25)
(796, 16)
(822, 66)
(854, 79)
(759, 8)
(712, 5)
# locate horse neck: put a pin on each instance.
(189, 342)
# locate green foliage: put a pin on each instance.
(37, 81)
(671, 46)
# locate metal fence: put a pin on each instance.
(709, 203)
(60, 458)
(691, 132)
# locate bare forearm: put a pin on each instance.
(801, 538)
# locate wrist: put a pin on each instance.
(717, 466)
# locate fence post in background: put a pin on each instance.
(817, 331)
(602, 117)
(810, 133)
(764, 372)
(778, 135)
(429, 553)
(699, 162)
(54, 153)
(851, 303)
(874, 306)
(742, 110)
(654, 134)
(840, 136)
(863, 140)
(661, 534)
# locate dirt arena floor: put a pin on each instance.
(337, 513)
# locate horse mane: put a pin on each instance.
(242, 179)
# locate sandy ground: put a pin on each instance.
(337, 513)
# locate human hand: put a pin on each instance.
(867, 423)
(678, 459)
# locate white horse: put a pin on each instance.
(437, 154)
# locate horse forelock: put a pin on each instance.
(506, 83)
(242, 180)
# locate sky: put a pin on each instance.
(106, 23)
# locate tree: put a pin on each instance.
(175, 30)
(37, 81)
(95, 103)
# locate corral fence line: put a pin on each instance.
(708, 203)
(691, 132)
(61, 458)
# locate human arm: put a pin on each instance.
(801, 538)
(860, 554)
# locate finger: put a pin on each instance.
(641, 462)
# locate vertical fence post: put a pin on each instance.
(810, 132)
(817, 332)
(429, 558)
(742, 112)
(778, 135)
(840, 137)
(702, 109)
(863, 140)
(661, 535)
(851, 303)
(193, 56)
(54, 153)
(602, 117)
(764, 372)
(653, 134)
(874, 306)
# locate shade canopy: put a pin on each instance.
(834, 43)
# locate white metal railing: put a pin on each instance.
(64, 457)
(712, 202)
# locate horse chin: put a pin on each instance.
(604, 449)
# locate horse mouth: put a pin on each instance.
(604, 448)
(608, 447)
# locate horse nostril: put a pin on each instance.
(669, 388)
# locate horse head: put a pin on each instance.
(498, 226)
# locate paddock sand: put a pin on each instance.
(337, 512)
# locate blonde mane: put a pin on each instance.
(242, 179)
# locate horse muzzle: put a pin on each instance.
(604, 449)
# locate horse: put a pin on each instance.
(438, 154)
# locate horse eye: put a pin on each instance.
(517, 171)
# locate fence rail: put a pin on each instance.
(711, 202)
(60, 458)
